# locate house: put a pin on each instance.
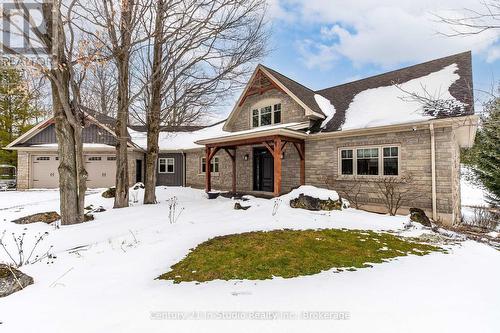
(281, 134)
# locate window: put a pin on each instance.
(214, 165)
(166, 165)
(43, 158)
(111, 158)
(347, 162)
(94, 158)
(372, 161)
(391, 161)
(266, 115)
(367, 161)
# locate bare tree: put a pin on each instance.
(351, 190)
(57, 43)
(472, 21)
(116, 25)
(396, 192)
(99, 90)
(202, 50)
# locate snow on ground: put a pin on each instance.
(471, 194)
(109, 286)
(391, 105)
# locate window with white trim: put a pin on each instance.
(214, 164)
(166, 165)
(369, 161)
(267, 115)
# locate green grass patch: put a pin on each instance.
(289, 253)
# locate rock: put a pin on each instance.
(12, 280)
(88, 217)
(238, 206)
(109, 193)
(418, 215)
(310, 203)
(47, 217)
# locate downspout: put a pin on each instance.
(184, 169)
(433, 171)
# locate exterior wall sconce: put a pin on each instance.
(245, 157)
(283, 156)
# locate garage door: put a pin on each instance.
(45, 174)
(101, 170)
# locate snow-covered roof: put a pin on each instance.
(178, 141)
(397, 104)
(440, 88)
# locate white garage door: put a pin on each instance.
(45, 174)
(101, 170)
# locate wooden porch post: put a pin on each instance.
(208, 184)
(301, 150)
(302, 164)
(233, 159)
(277, 166)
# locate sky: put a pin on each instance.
(322, 43)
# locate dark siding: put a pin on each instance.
(172, 179)
(91, 134)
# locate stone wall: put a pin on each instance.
(291, 111)
(23, 169)
(322, 161)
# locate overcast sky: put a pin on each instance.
(321, 43)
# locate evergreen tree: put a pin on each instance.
(16, 115)
(484, 157)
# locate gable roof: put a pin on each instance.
(305, 94)
(103, 121)
(460, 65)
(298, 92)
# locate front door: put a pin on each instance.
(138, 171)
(263, 170)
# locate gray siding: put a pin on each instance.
(171, 179)
(91, 134)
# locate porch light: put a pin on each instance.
(245, 157)
(283, 155)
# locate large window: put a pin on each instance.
(373, 161)
(214, 164)
(266, 115)
(166, 165)
(367, 161)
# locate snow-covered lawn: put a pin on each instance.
(109, 284)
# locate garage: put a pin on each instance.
(45, 174)
(101, 170)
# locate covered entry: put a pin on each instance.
(267, 168)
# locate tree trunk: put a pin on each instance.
(68, 127)
(154, 112)
(122, 64)
(122, 181)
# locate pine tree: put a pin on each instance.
(16, 115)
(484, 157)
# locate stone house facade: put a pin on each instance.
(281, 135)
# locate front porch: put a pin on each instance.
(274, 145)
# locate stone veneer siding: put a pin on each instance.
(415, 158)
(23, 170)
(291, 111)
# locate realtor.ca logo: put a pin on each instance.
(22, 26)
